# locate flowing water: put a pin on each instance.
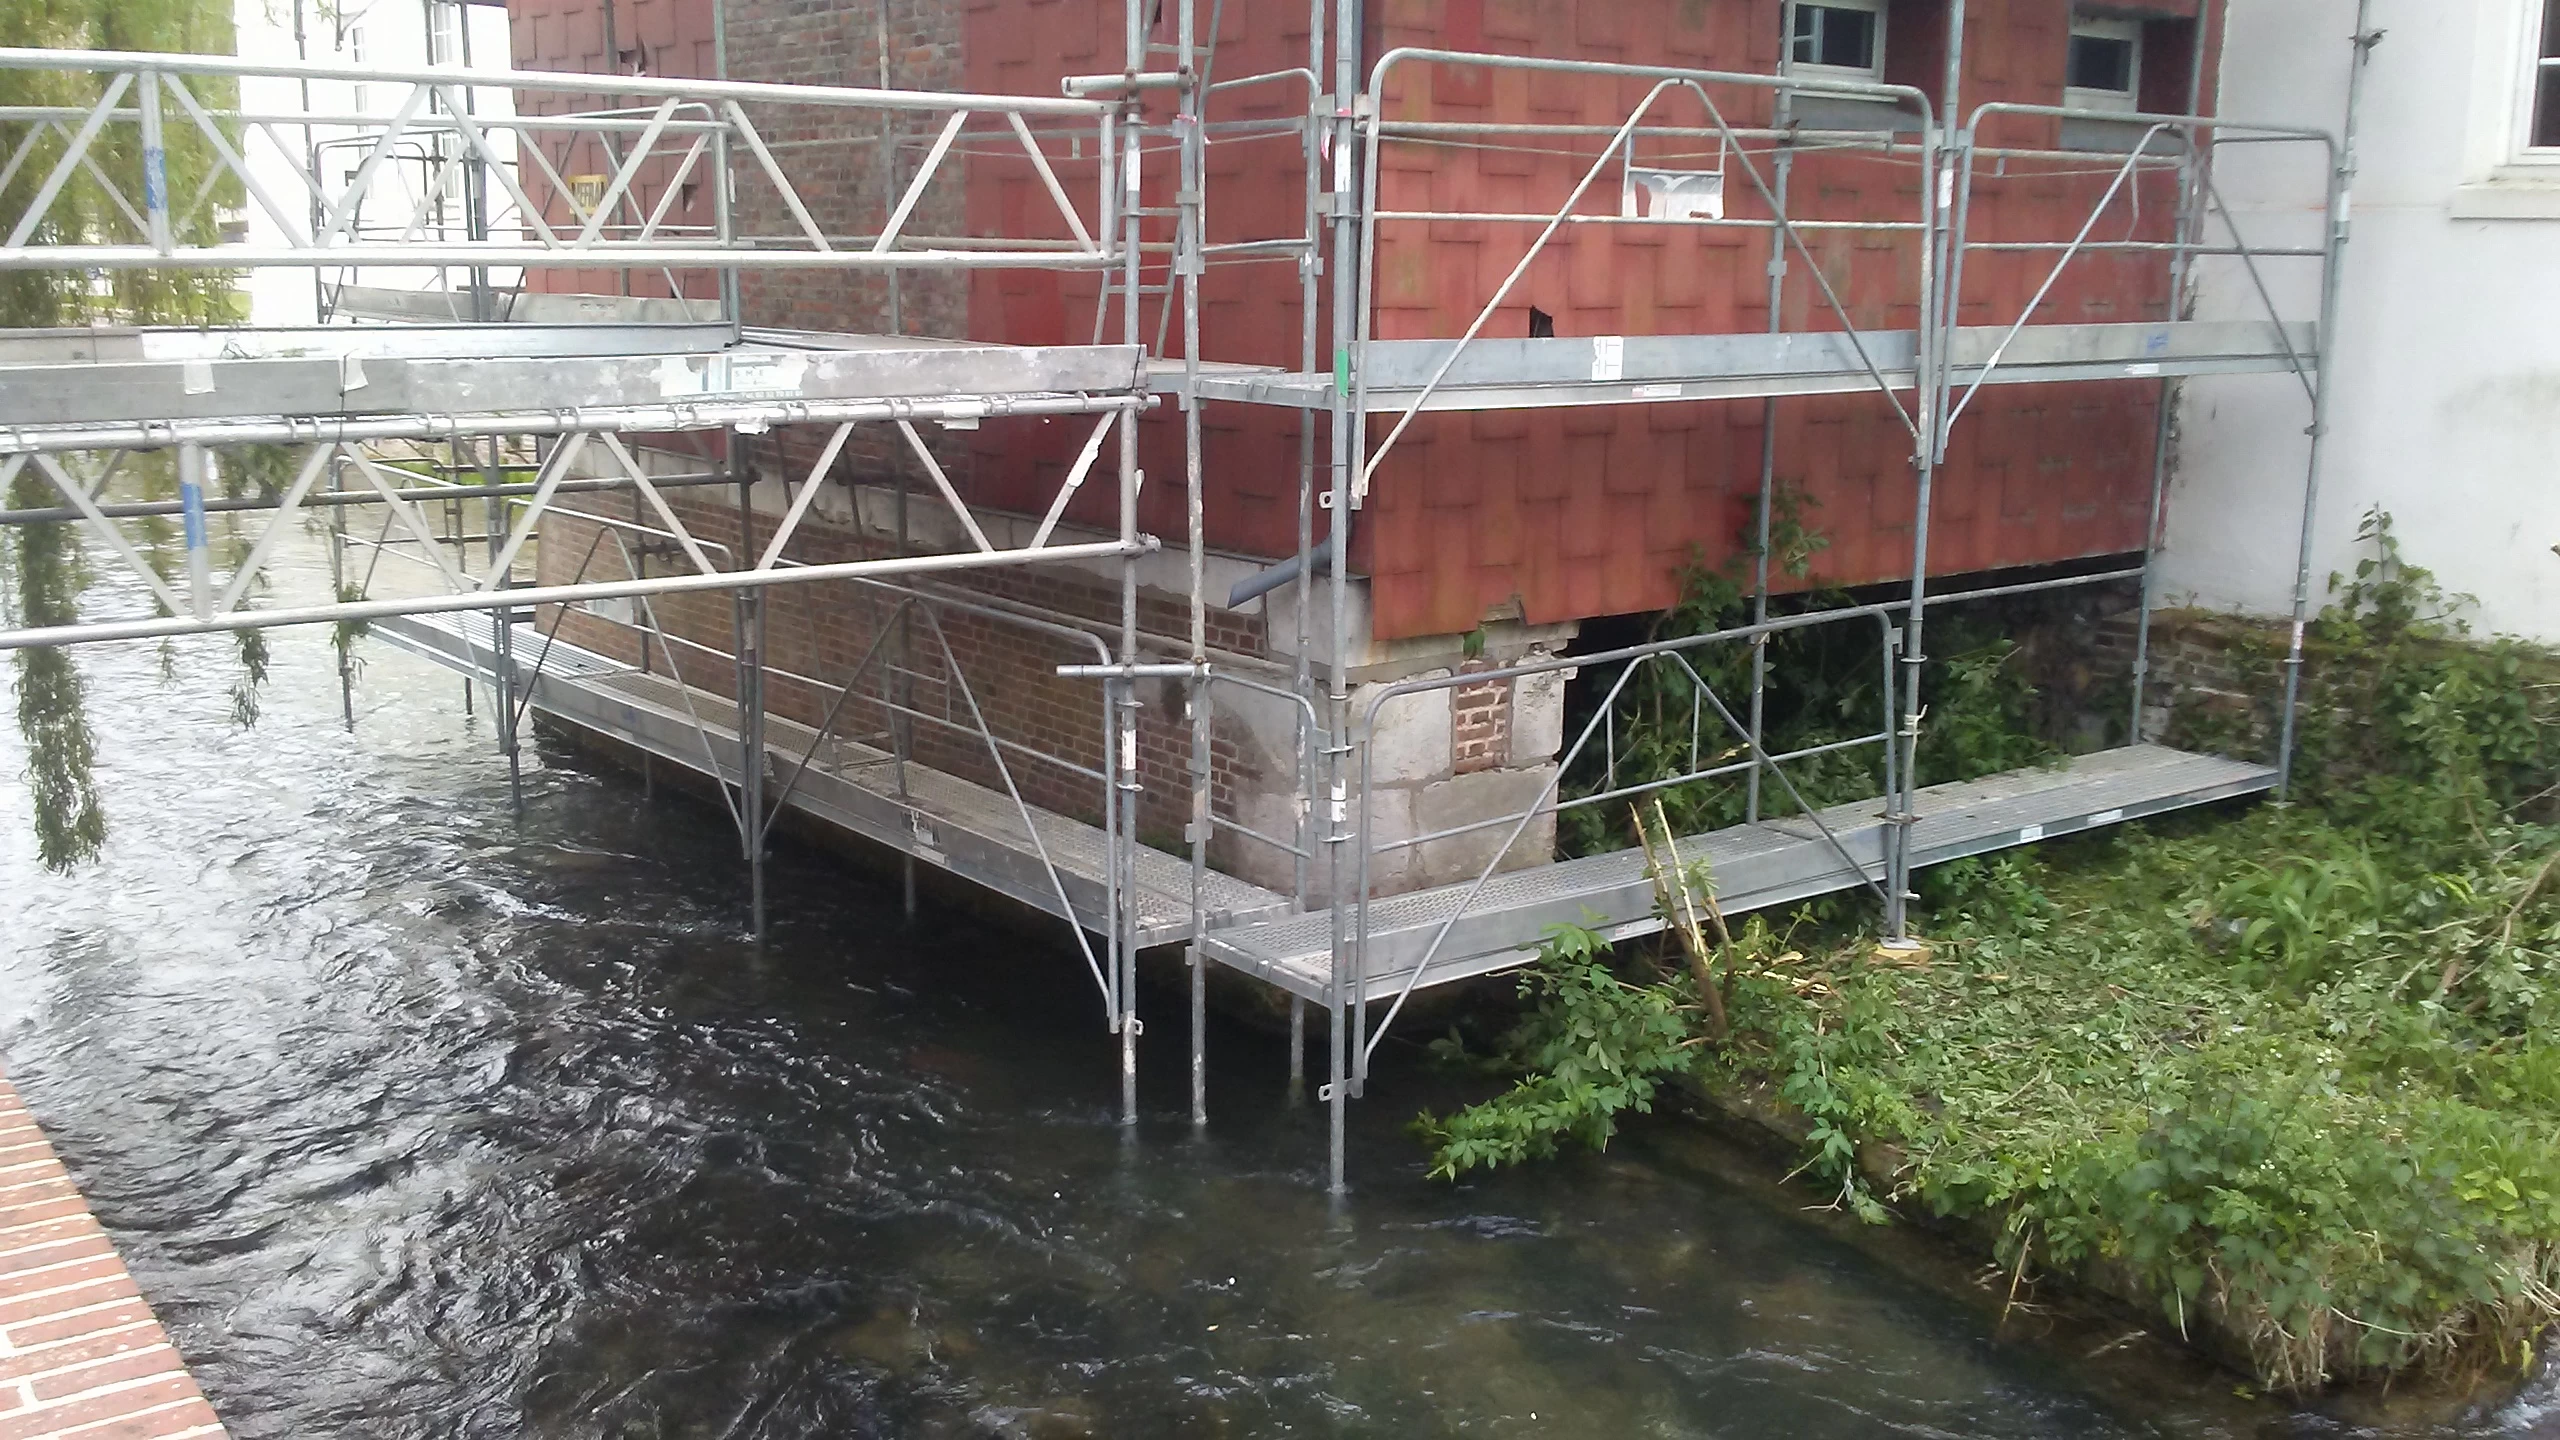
(415, 1121)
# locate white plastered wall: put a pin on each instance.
(2446, 411)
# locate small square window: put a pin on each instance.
(1844, 40)
(2104, 70)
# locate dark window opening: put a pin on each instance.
(1542, 326)
(1836, 37)
(2101, 62)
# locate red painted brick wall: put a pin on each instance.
(1567, 513)
(654, 37)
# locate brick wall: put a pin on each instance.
(822, 632)
(1479, 723)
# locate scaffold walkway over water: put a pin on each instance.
(407, 423)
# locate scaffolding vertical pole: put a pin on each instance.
(2192, 163)
(724, 220)
(2342, 182)
(1310, 265)
(1937, 332)
(1346, 300)
(338, 577)
(889, 184)
(1189, 202)
(155, 167)
(899, 688)
(192, 464)
(751, 757)
(502, 627)
(1781, 119)
(1124, 757)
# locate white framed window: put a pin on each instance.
(2104, 71)
(1838, 39)
(2538, 120)
(444, 32)
(2511, 159)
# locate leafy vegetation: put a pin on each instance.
(2286, 1074)
(1594, 1047)
(1825, 685)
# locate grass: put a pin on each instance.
(2287, 1074)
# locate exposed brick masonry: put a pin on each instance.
(822, 631)
(1480, 723)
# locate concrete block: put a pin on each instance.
(1273, 814)
(1467, 799)
(1392, 819)
(1537, 717)
(1411, 740)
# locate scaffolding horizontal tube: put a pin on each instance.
(1559, 806)
(418, 124)
(138, 509)
(571, 82)
(2148, 245)
(703, 415)
(1509, 217)
(512, 255)
(89, 632)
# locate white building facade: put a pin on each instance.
(420, 189)
(2445, 411)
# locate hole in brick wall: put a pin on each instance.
(1542, 326)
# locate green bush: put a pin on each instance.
(2284, 1072)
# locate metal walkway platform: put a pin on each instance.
(1516, 374)
(1776, 862)
(974, 832)
(82, 379)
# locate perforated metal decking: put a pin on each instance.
(1775, 862)
(978, 833)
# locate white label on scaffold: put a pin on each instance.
(729, 374)
(1129, 749)
(1341, 802)
(196, 377)
(1656, 392)
(1608, 357)
(2031, 834)
(2142, 369)
(2106, 817)
(1130, 169)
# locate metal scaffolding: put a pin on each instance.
(532, 419)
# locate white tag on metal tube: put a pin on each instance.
(1608, 357)
(196, 377)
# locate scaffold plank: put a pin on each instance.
(1514, 373)
(968, 829)
(1777, 862)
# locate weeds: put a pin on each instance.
(2285, 1074)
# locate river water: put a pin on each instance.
(415, 1121)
